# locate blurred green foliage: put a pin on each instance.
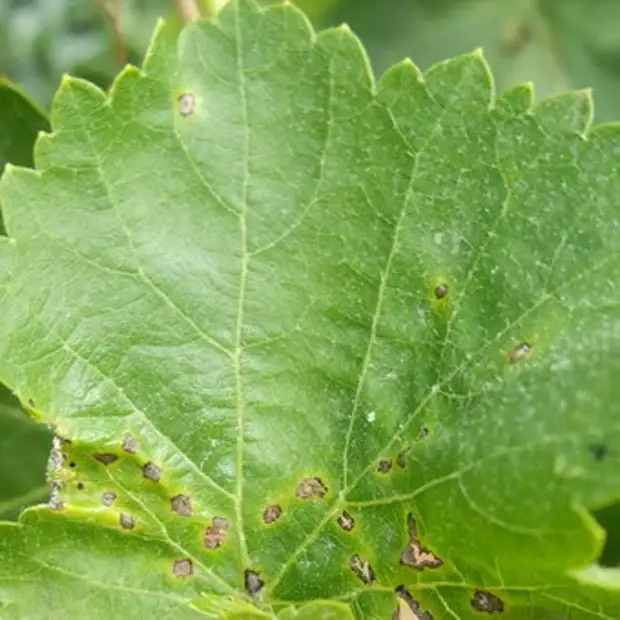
(557, 44)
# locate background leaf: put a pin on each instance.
(313, 342)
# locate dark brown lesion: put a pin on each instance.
(310, 488)
(252, 582)
(415, 555)
(362, 569)
(415, 607)
(441, 290)
(272, 513)
(151, 471)
(107, 458)
(487, 602)
(384, 466)
(181, 505)
(346, 521)
(217, 533)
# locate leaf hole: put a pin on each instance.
(415, 555)
(150, 471)
(105, 457)
(362, 569)
(346, 521)
(487, 602)
(310, 488)
(216, 533)
(183, 568)
(252, 582)
(417, 612)
(181, 505)
(272, 513)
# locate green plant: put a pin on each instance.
(312, 345)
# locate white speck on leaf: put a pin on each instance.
(371, 417)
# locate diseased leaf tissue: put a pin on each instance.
(314, 346)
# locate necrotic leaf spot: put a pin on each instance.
(362, 569)
(216, 533)
(253, 583)
(272, 513)
(519, 352)
(181, 505)
(384, 466)
(151, 472)
(346, 521)
(108, 498)
(105, 457)
(598, 451)
(127, 522)
(441, 290)
(130, 445)
(413, 605)
(415, 555)
(183, 568)
(80, 486)
(486, 602)
(311, 488)
(187, 102)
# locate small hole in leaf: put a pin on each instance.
(216, 533)
(80, 486)
(487, 602)
(187, 103)
(441, 290)
(253, 583)
(31, 403)
(598, 451)
(415, 555)
(108, 498)
(346, 521)
(362, 569)
(384, 466)
(519, 352)
(105, 457)
(127, 522)
(183, 568)
(272, 513)
(151, 472)
(414, 606)
(311, 488)
(181, 505)
(130, 445)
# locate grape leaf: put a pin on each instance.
(556, 44)
(314, 345)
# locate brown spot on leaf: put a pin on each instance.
(72, 464)
(31, 403)
(415, 555)
(187, 103)
(130, 444)
(252, 581)
(519, 352)
(362, 569)
(272, 513)
(401, 459)
(598, 451)
(414, 606)
(151, 472)
(80, 486)
(311, 488)
(384, 466)
(346, 521)
(108, 498)
(183, 568)
(216, 533)
(441, 290)
(127, 522)
(487, 602)
(424, 432)
(181, 505)
(105, 457)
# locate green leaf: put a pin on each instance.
(24, 449)
(314, 344)
(555, 44)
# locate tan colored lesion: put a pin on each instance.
(415, 555)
